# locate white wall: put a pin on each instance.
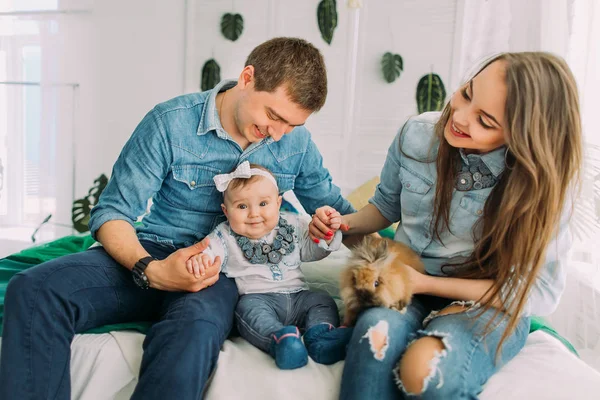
(135, 61)
(138, 57)
(363, 112)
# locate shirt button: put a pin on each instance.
(479, 212)
(426, 236)
(407, 185)
(193, 183)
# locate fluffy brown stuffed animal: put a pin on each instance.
(377, 276)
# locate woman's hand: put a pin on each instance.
(325, 222)
(418, 280)
(452, 288)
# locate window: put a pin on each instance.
(38, 71)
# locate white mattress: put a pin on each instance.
(105, 366)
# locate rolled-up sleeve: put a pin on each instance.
(387, 193)
(136, 176)
(217, 247)
(314, 187)
(309, 250)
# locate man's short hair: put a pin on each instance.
(295, 63)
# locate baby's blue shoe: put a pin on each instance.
(326, 344)
(287, 348)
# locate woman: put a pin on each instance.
(479, 189)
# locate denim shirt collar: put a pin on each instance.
(494, 159)
(209, 120)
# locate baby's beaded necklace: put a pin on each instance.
(263, 252)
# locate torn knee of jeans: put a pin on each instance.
(434, 368)
(456, 307)
(378, 339)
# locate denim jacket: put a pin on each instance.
(406, 194)
(172, 157)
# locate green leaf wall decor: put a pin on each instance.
(232, 26)
(211, 75)
(430, 93)
(327, 18)
(391, 65)
(80, 213)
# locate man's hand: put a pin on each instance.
(171, 274)
(199, 264)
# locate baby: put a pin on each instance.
(262, 248)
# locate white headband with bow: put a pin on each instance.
(242, 171)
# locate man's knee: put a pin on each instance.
(26, 284)
(208, 335)
(19, 288)
(30, 289)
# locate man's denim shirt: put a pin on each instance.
(406, 194)
(172, 157)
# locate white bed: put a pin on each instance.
(105, 366)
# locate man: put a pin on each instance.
(171, 157)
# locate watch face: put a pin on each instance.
(140, 279)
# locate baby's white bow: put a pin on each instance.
(242, 171)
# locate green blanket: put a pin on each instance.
(12, 264)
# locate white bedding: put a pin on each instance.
(105, 366)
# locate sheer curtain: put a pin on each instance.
(41, 43)
(578, 316)
(571, 29)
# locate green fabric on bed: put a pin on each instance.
(540, 324)
(141, 327)
(28, 258)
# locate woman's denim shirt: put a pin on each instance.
(172, 157)
(406, 194)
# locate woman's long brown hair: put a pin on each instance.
(543, 160)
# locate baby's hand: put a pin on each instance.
(198, 264)
(324, 224)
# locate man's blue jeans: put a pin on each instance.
(47, 305)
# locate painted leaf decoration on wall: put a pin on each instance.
(80, 213)
(430, 93)
(232, 26)
(96, 190)
(391, 65)
(327, 18)
(211, 75)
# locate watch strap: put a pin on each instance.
(142, 263)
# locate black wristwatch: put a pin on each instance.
(139, 276)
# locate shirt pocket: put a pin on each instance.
(468, 212)
(414, 189)
(193, 186)
(285, 182)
